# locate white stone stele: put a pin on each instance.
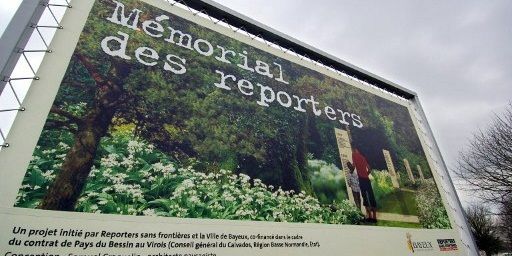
(409, 171)
(345, 150)
(420, 172)
(391, 168)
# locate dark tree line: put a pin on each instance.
(484, 229)
(487, 164)
(505, 223)
(487, 167)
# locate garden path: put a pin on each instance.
(397, 217)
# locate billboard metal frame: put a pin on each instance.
(23, 23)
(16, 35)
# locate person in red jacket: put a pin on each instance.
(363, 172)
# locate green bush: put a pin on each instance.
(381, 184)
(431, 212)
(328, 181)
(405, 182)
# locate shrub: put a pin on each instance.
(381, 184)
(328, 181)
(431, 211)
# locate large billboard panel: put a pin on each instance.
(162, 113)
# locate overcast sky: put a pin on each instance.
(457, 55)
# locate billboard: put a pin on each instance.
(160, 113)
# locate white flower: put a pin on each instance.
(49, 151)
(158, 166)
(228, 197)
(63, 145)
(150, 148)
(49, 175)
(110, 161)
(194, 199)
(188, 183)
(118, 178)
(127, 162)
(149, 212)
(135, 146)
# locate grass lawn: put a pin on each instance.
(399, 224)
(400, 202)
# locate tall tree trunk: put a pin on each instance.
(67, 186)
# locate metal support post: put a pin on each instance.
(16, 36)
(473, 249)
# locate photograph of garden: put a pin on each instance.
(160, 116)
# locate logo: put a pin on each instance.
(409, 242)
(447, 245)
(416, 246)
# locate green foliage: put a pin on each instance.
(400, 145)
(132, 177)
(431, 211)
(381, 184)
(388, 223)
(42, 170)
(400, 202)
(328, 181)
(405, 182)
